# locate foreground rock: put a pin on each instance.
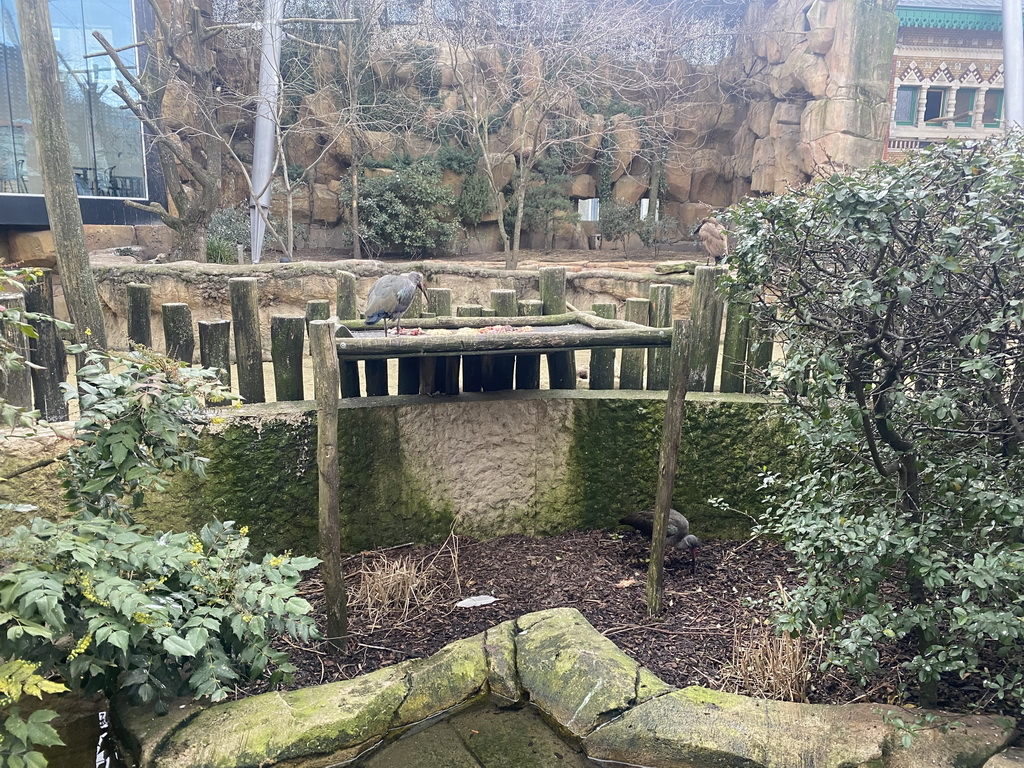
(585, 688)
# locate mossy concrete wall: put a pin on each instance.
(526, 462)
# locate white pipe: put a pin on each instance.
(1013, 64)
(264, 141)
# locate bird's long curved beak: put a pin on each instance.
(423, 291)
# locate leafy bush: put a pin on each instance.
(139, 416)
(112, 608)
(618, 221)
(475, 201)
(407, 212)
(657, 232)
(458, 160)
(19, 736)
(229, 228)
(899, 292)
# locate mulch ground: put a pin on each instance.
(602, 574)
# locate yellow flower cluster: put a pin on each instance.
(277, 560)
(80, 647)
(194, 544)
(84, 582)
(244, 530)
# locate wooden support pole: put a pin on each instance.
(759, 355)
(631, 367)
(326, 383)
(499, 370)
(446, 369)
(706, 308)
(46, 351)
(140, 297)
(245, 317)
(179, 337)
(214, 347)
(472, 365)
(528, 366)
(347, 309)
(671, 433)
(286, 341)
(662, 296)
(349, 369)
(602, 361)
(317, 309)
(734, 349)
(15, 383)
(376, 372)
(561, 365)
(409, 367)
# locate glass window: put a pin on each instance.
(993, 113)
(906, 105)
(589, 209)
(935, 105)
(645, 207)
(963, 108)
(106, 139)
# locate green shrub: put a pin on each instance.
(458, 160)
(618, 221)
(475, 201)
(899, 295)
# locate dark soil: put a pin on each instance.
(601, 574)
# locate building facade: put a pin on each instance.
(947, 73)
(108, 148)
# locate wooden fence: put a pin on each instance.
(449, 356)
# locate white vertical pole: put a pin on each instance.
(265, 134)
(1013, 64)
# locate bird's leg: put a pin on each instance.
(693, 561)
(385, 327)
(398, 323)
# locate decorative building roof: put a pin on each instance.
(951, 14)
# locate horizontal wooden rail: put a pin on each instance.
(588, 319)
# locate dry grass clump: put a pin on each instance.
(390, 588)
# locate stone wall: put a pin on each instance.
(525, 462)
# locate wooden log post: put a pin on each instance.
(706, 309)
(561, 365)
(528, 366)
(662, 296)
(499, 370)
(759, 355)
(734, 349)
(317, 309)
(472, 365)
(438, 373)
(140, 297)
(179, 338)
(671, 433)
(214, 347)
(409, 367)
(245, 316)
(15, 383)
(286, 342)
(602, 361)
(349, 368)
(46, 351)
(326, 383)
(347, 308)
(631, 367)
(376, 373)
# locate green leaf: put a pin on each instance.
(177, 646)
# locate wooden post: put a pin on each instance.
(46, 351)
(349, 369)
(326, 383)
(286, 340)
(376, 372)
(472, 365)
(245, 315)
(347, 309)
(561, 365)
(631, 367)
(179, 338)
(602, 361)
(214, 340)
(499, 370)
(15, 384)
(140, 296)
(734, 350)
(528, 366)
(317, 309)
(706, 308)
(445, 369)
(409, 367)
(661, 317)
(762, 343)
(672, 430)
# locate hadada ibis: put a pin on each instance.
(677, 534)
(712, 237)
(391, 296)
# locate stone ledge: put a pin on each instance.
(583, 684)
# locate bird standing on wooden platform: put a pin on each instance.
(391, 296)
(677, 533)
(712, 237)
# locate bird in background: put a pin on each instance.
(677, 533)
(391, 296)
(712, 236)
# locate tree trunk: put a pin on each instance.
(45, 102)
(512, 260)
(193, 243)
(357, 249)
